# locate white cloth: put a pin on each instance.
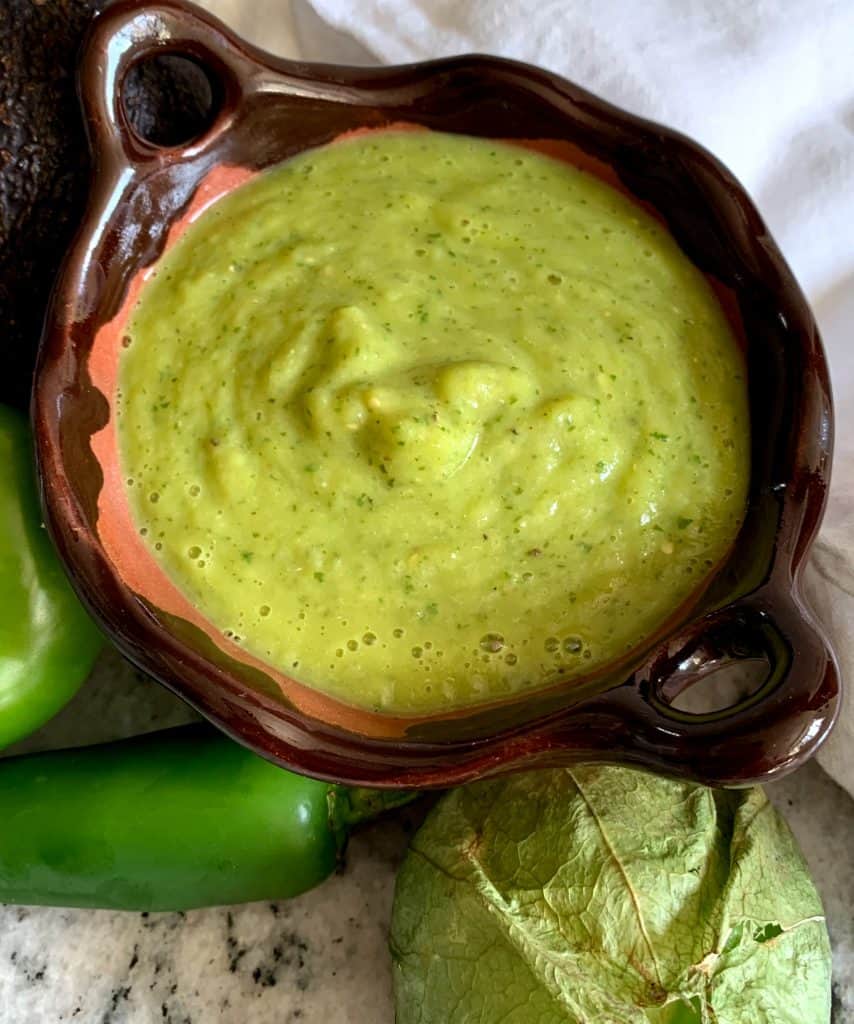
(768, 86)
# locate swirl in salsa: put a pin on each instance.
(425, 420)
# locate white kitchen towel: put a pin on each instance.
(768, 86)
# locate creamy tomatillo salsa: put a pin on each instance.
(424, 420)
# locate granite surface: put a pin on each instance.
(321, 958)
(317, 959)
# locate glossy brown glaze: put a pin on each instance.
(271, 109)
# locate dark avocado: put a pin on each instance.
(44, 161)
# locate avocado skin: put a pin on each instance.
(44, 158)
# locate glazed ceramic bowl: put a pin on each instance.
(750, 613)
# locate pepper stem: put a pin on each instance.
(349, 807)
(362, 804)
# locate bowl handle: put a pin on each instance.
(130, 31)
(764, 735)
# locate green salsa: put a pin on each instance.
(424, 420)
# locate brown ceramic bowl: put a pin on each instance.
(749, 612)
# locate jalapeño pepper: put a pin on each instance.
(169, 821)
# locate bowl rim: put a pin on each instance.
(630, 720)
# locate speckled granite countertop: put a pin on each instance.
(321, 958)
(318, 959)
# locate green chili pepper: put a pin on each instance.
(47, 641)
(169, 821)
